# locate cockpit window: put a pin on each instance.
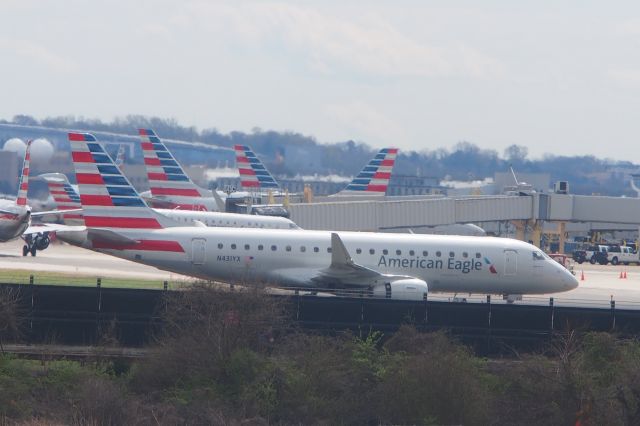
(537, 255)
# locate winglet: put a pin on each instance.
(23, 188)
(219, 201)
(120, 155)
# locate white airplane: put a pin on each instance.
(15, 216)
(399, 266)
(66, 197)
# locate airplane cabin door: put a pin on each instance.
(198, 251)
(510, 262)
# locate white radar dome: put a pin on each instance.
(16, 145)
(41, 151)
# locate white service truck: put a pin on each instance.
(622, 254)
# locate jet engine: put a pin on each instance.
(41, 241)
(402, 289)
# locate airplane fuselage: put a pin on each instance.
(14, 219)
(294, 258)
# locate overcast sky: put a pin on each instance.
(557, 77)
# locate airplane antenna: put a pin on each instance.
(514, 175)
(634, 177)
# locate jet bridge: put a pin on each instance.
(389, 213)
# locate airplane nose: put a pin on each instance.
(571, 282)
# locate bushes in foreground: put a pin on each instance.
(231, 358)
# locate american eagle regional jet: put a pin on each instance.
(400, 266)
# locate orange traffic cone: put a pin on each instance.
(582, 276)
(620, 277)
(625, 275)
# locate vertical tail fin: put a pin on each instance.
(253, 174)
(64, 196)
(108, 199)
(167, 179)
(23, 188)
(374, 178)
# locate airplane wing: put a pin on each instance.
(54, 212)
(9, 212)
(50, 227)
(344, 272)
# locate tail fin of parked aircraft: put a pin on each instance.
(374, 178)
(23, 188)
(166, 176)
(108, 199)
(64, 197)
(254, 176)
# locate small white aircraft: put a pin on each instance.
(15, 216)
(403, 266)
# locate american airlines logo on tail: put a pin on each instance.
(110, 202)
(24, 178)
(253, 174)
(166, 176)
(64, 196)
(374, 178)
(102, 186)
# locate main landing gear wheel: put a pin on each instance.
(25, 250)
(34, 249)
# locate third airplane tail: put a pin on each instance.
(167, 179)
(374, 178)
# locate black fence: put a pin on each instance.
(90, 315)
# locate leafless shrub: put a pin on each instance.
(11, 318)
(102, 402)
(204, 326)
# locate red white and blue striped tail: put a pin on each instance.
(64, 196)
(374, 178)
(23, 188)
(254, 176)
(108, 199)
(167, 180)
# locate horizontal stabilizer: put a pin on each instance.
(53, 212)
(108, 236)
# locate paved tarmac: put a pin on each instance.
(601, 282)
(64, 258)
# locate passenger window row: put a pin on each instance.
(223, 223)
(385, 252)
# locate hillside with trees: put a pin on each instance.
(290, 154)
